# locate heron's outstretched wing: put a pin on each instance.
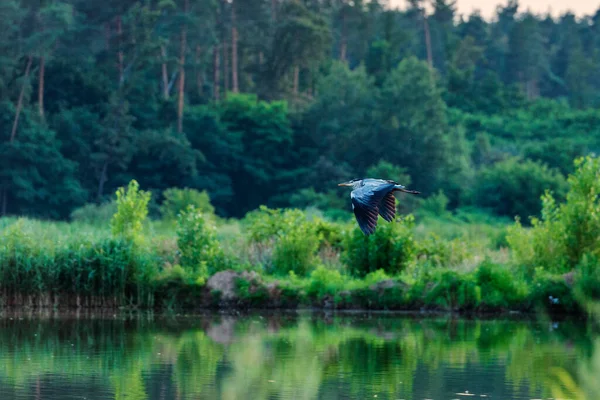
(387, 207)
(366, 216)
(365, 203)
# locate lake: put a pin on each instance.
(287, 356)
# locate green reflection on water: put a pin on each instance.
(286, 357)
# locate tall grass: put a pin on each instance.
(44, 263)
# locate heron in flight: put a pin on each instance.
(372, 197)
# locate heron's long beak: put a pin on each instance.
(409, 191)
(345, 184)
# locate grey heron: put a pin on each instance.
(372, 197)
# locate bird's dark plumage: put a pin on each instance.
(387, 207)
(371, 198)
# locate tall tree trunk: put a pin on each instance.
(273, 11)
(165, 72)
(13, 133)
(296, 79)
(225, 69)
(120, 52)
(199, 80)
(41, 87)
(20, 101)
(344, 39)
(182, 72)
(225, 58)
(428, 48)
(216, 70)
(234, 59)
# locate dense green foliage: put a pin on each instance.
(230, 113)
(513, 187)
(455, 261)
(567, 237)
(272, 103)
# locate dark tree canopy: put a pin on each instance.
(274, 102)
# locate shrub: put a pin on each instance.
(331, 233)
(513, 187)
(434, 205)
(324, 282)
(375, 277)
(132, 209)
(448, 289)
(565, 233)
(588, 278)
(94, 214)
(438, 252)
(551, 291)
(201, 253)
(391, 248)
(499, 287)
(296, 251)
(177, 200)
(295, 239)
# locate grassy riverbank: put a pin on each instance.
(290, 258)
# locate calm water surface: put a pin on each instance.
(290, 356)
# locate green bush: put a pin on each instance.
(374, 277)
(434, 205)
(324, 282)
(391, 248)
(588, 278)
(296, 251)
(94, 214)
(513, 187)
(499, 286)
(565, 233)
(447, 289)
(295, 239)
(551, 291)
(438, 252)
(201, 253)
(331, 234)
(177, 200)
(132, 209)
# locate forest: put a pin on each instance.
(146, 146)
(274, 102)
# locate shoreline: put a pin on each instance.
(241, 311)
(242, 292)
(204, 316)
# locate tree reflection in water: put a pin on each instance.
(290, 356)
